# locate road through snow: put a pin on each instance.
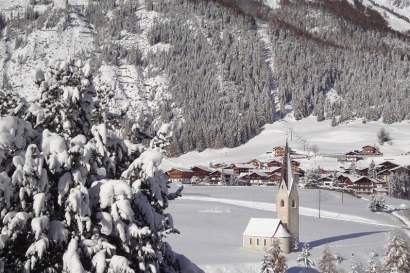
(302, 210)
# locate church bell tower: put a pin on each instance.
(287, 199)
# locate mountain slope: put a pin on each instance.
(214, 72)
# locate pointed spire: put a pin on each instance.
(285, 164)
(287, 175)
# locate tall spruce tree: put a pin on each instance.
(75, 196)
(397, 256)
(274, 261)
(327, 263)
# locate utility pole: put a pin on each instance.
(319, 202)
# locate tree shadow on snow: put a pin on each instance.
(299, 269)
(332, 239)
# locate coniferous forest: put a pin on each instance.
(233, 66)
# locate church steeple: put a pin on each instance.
(287, 199)
(287, 175)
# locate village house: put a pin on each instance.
(353, 156)
(279, 151)
(326, 181)
(272, 163)
(200, 172)
(379, 187)
(369, 150)
(273, 170)
(275, 178)
(400, 171)
(180, 175)
(359, 184)
(385, 165)
(222, 175)
(297, 170)
(258, 164)
(362, 171)
(383, 170)
(254, 177)
(242, 168)
(384, 175)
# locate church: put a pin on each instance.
(260, 232)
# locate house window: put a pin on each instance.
(257, 242)
(264, 242)
(250, 241)
(293, 203)
(282, 203)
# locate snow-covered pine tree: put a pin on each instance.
(305, 256)
(357, 268)
(11, 104)
(74, 196)
(327, 263)
(372, 170)
(397, 256)
(373, 265)
(274, 261)
(377, 204)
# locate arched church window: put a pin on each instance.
(282, 203)
(293, 203)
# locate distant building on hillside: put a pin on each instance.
(257, 163)
(279, 151)
(260, 232)
(369, 150)
(272, 163)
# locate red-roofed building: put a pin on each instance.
(180, 175)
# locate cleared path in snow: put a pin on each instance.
(302, 210)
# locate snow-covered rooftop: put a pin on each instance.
(180, 169)
(260, 173)
(202, 167)
(244, 166)
(266, 227)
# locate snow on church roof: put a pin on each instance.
(266, 227)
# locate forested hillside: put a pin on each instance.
(212, 73)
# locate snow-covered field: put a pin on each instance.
(389, 10)
(307, 133)
(212, 219)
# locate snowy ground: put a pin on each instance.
(211, 228)
(304, 134)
